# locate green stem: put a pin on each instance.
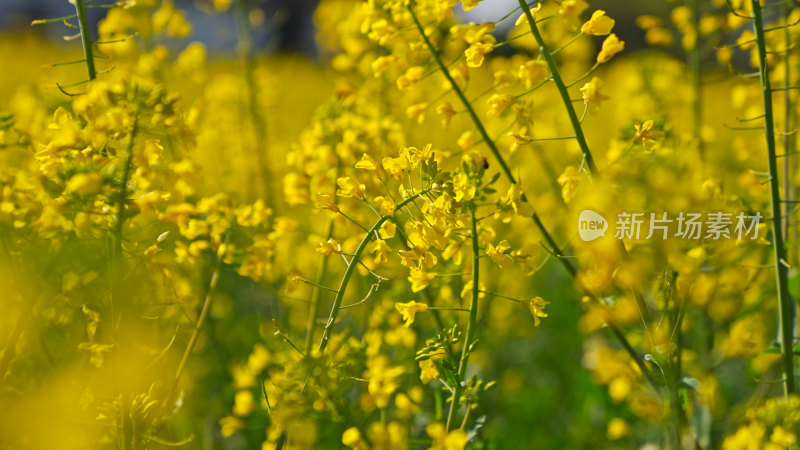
(788, 138)
(426, 293)
(784, 300)
(581, 78)
(313, 309)
(562, 88)
(505, 297)
(567, 44)
(676, 317)
(573, 118)
(117, 290)
(123, 192)
(212, 285)
(694, 63)
(245, 36)
(489, 142)
(11, 345)
(553, 246)
(471, 324)
(337, 302)
(478, 124)
(86, 38)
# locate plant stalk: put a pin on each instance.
(785, 306)
(695, 65)
(472, 322)
(212, 285)
(788, 137)
(314, 307)
(117, 291)
(337, 302)
(86, 38)
(553, 246)
(562, 88)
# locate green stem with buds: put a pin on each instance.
(314, 307)
(553, 246)
(472, 321)
(694, 64)
(86, 38)
(337, 302)
(784, 300)
(562, 88)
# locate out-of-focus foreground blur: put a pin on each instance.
(242, 224)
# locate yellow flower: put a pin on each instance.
(171, 20)
(746, 40)
(498, 254)
(498, 103)
(385, 205)
(572, 8)
(382, 380)
(409, 310)
(662, 37)
(222, 5)
(474, 33)
(419, 280)
(417, 111)
(522, 18)
(519, 139)
(598, 25)
(388, 230)
(352, 438)
(592, 97)
(442, 440)
(514, 198)
(469, 4)
(533, 72)
(783, 437)
(243, 403)
(411, 77)
(428, 371)
(476, 52)
(418, 256)
(382, 64)
(348, 187)
(462, 188)
(381, 250)
(84, 183)
(466, 140)
(230, 425)
(536, 307)
(447, 112)
(396, 167)
(747, 436)
(611, 46)
(618, 428)
(331, 247)
(645, 133)
(367, 163)
(324, 201)
(569, 183)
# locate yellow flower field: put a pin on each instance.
(558, 227)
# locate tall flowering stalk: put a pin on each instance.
(86, 38)
(785, 304)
